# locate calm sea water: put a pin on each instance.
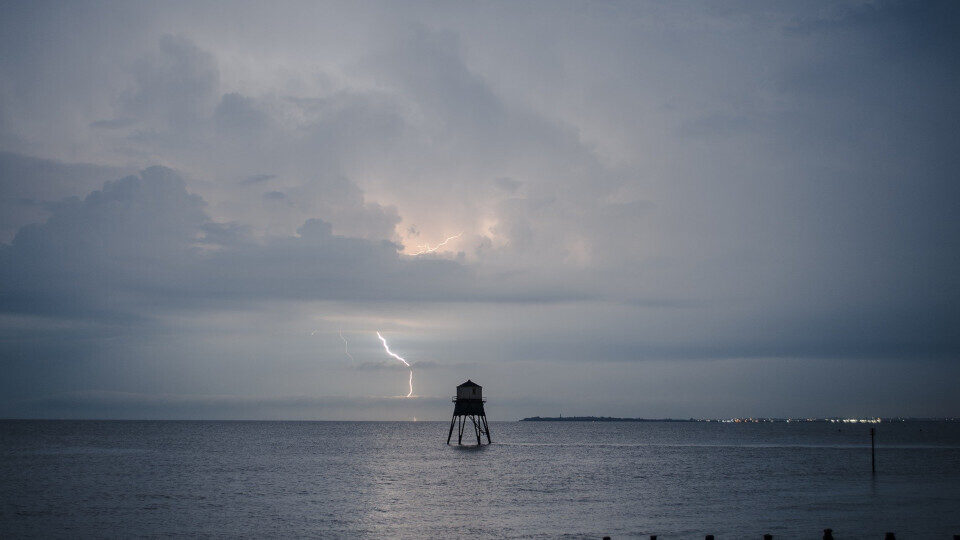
(369, 479)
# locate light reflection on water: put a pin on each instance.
(255, 479)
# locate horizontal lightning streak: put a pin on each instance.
(425, 248)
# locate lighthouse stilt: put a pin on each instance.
(453, 420)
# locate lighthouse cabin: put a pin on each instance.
(469, 390)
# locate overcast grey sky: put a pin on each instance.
(669, 209)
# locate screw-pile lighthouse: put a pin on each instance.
(469, 404)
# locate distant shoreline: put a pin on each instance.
(603, 419)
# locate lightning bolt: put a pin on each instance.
(398, 357)
(345, 350)
(425, 248)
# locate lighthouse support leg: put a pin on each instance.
(460, 430)
(450, 433)
(486, 427)
(476, 428)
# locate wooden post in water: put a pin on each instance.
(873, 451)
(768, 537)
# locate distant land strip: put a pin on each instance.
(603, 419)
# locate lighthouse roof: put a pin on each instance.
(468, 383)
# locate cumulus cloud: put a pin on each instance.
(144, 241)
(91, 252)
(174, 87)
(30, 187)
(144, 237)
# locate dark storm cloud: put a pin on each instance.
(30, 187)
(89, 252)
(145, 241)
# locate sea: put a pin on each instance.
(120, 479)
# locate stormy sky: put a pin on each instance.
(679, 209)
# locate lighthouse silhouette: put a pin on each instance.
(468, 403)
